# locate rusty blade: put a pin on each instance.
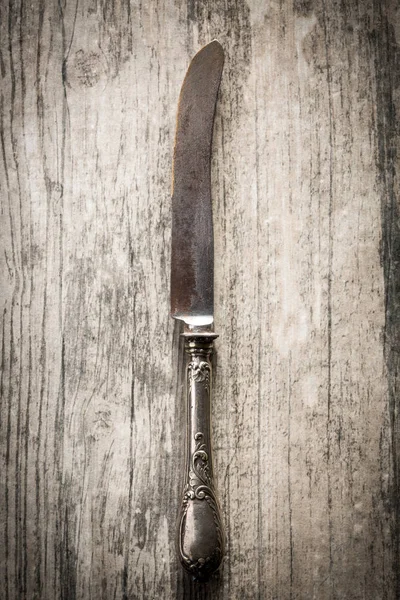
(192, 259)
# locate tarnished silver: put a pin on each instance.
(200, 537)
(201, 540)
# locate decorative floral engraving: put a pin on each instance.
(200, 487)
(199, 474)
(199, 371)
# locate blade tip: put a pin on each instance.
(215, 46)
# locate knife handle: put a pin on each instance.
(201, 539)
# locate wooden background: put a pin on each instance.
(307, 244)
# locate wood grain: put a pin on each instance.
(307, 238)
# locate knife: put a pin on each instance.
(200, 535)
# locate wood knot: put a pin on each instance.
(86, 69)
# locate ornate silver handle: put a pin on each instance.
(201, 539)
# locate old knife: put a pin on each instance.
(200, 536)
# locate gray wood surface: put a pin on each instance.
(307, 242)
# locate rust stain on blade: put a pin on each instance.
(192, 258)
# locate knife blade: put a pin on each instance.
(200, 535)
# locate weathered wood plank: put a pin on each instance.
(306, 219)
